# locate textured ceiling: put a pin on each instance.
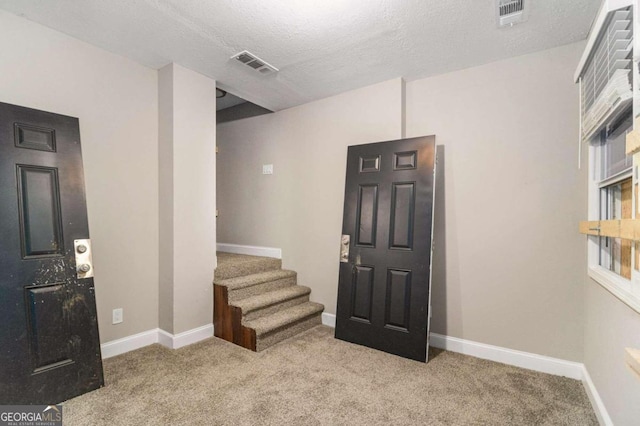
(322, 47)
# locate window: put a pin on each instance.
(615, 195)
(608, 78)
(614, 262)
(615, 203)
(614, 181)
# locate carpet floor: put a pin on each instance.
(314, 379)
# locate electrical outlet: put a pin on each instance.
(267, 169)
(117, 316)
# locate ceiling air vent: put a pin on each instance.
(251, 60)
(510, 12)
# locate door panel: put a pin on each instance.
(49, 344)
(398, 299)
(383, 293)
(46, 324)
(402, 210)
(367, 215)
(362, 293)
(33, 137)
(39, 206)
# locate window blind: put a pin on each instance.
(607, 79)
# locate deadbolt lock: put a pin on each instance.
(84, 261)
(344, 248)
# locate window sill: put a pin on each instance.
(616, 285)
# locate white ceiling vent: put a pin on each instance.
(510, 12)
(251, 60)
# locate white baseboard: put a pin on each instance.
(189, 337)
(594, 397)
(251, 250)
(156, 335)
(329, 320)
(129, 343)
(530, 361)
(544, 364)
(165, 338)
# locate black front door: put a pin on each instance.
(384, 288)
(49, 345)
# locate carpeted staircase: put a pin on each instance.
(258, 304)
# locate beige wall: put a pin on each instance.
(116, 102)
(187, 198)
(165, 195)
(513, 199)
(610, 327)
(299, 207)
(513, 275)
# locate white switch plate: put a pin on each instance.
(117, 316)
(267, 169)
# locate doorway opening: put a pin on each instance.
(230, 107)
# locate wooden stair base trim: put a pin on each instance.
(236, 319)
(248, 338)
(222, 321)
(227, 320)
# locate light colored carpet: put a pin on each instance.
(273, 301)
(232, 265)
(314, 379)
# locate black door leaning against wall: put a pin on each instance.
(49, 345)
(385, 262)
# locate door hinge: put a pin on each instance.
(216, 149)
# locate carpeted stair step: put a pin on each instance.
(231, 265)
(268, 303)
(245, 286)
(257, 304)
(271, 329)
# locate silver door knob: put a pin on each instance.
(84, 268)
(81, 248)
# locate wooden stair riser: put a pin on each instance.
(242, 336)
(275, 307)
(241, 293)
(249, 339)
(222, 321)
